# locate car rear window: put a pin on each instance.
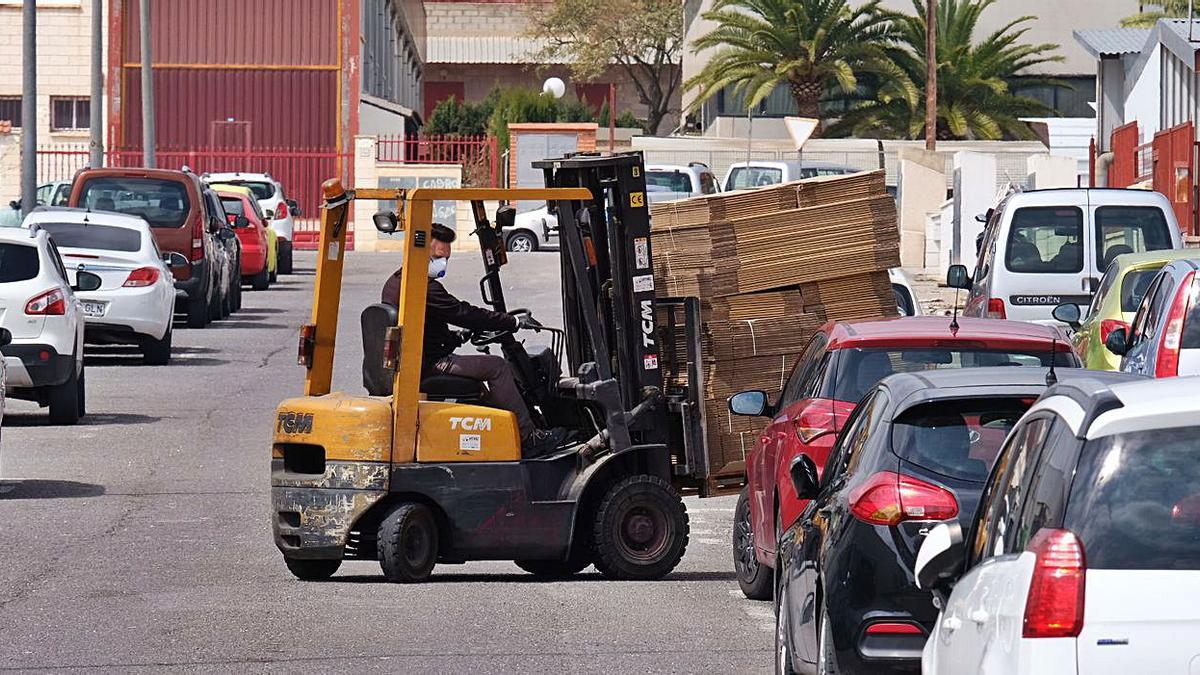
(102, 237)
(261, 189)
(744, 177)
(233, 206)
(18, 263)
(1045, 239)
(858, 369)
(1129, 229)
(1134, 287)
(673, 181)
(1135, 500)
(162, 203)
(958, 438)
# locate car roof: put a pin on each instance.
(222, 176)
(68, 214)
(907, 330)
(792, 164)
(1080, 400)
(1190, 263)
(20, 235)
(1075, 196)
(1146, 405)
(225, 187)
(909, 389)
(1161, 257)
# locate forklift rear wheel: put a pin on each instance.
(312, 570)
(553, 569)
(640, 529)
(408, 543)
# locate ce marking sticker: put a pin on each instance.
(637, 200)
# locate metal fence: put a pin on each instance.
(478, 155)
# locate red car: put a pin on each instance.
(247, 220)
(841, 362)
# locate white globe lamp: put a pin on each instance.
(554, 86)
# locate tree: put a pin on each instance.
(643, 38)
(807, 45)
(975, 100)
(1166, 9)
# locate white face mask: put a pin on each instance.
(437, 267)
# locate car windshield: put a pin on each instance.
(1046, 239)
(957, 438)
(162, 203)
(673, 181)
(1135, 500)
(17, 263)
(102, 237)
(744, 177)
(261, 189)
(1129, 229)
(860, 369)
(1134, 287)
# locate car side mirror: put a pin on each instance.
(174, 259)
(386, 221)
(940, 558)
(214, 225)
(804, 477)
(985, 216)
(752, 403)
(241, 221)
(269, 214)
(294, 207)
(958, 277)
(1068, 313)
(1116, 342)
(5, 337)
(86, 281)
(506, 216)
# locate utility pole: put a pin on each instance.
(96, 123)
(29, 118)
(930, 75)
(148, 159)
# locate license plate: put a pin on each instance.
(94, 308)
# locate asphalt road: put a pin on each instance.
(140, 539)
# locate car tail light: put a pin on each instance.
(1109, 325)
(198, 249)
(141, 277)
(281, 211)
(889, 498)
(1167, 364)
(894, 628)
(308, 342)
(995, 309)
(1054, 607)
(50, 303)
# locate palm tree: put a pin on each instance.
(807, 45)
(974, 97)
(1146, 18)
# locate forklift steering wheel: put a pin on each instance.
(484, 338)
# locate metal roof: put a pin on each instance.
(484, 49)
(1103, 42)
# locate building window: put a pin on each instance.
(10, 109)
(1072, 100)
(69, 113)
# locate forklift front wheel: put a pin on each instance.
(640, 529)
(408, 543)
(312, 570)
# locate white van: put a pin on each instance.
(1045, 247)
(766, 172)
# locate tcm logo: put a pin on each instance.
(647, 324)
(471, 423)
(295, 423)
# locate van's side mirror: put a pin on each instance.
(940, 558)
(1116, 341)
(86, 281)
(750, 403)
(5, 337)
(985, 216)
(1068, 313)
(958, 277)
(174, 259)
(506, 216)
(803, 472)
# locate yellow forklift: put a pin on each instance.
(415, 472)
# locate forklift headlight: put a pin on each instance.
(391, 347)
(308, 342)
(386, 221)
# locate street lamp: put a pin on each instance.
(555, 87)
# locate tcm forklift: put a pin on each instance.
(415, 471)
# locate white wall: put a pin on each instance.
(1142, 97)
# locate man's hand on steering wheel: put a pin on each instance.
(527, 322)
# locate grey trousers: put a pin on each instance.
(501, 385)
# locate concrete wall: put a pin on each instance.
(1143, 92)
(922, 190)
(974, 194)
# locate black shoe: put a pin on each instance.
(542, 442)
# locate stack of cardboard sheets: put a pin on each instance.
(770, 266)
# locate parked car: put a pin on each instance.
(182, 219)
(532, 231)
(48, 194)
(1084, 556)
(135, 303)
(1164, 337)
(668, 182)
(231, 269)
(838, 366)
(243, 213)
(279, 210)
(762, 173)
(1114, 305)
(907, 303)
(916, 452)
(44, 361)
(1042, 248)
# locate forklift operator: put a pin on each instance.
(438, 357)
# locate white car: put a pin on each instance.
(1084, 556)
(531, 231)
(907, 302)
(135, 303)
(279, 210)
(44, 362)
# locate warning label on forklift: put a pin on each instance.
(641, 253)
(650, 362)
(468, 442)
(644, 282)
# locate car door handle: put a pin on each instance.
(951, 624)
(979, 616)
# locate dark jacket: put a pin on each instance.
(443, 310)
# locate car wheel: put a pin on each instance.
(214, 303)
(237, 291)
(82, 391)
(826, 655)
(227, 302)
(275, 275)
(283, 263)
(553, 569)
(157, 352)
(753, 577)
(262, 280)
(312, 570)
(783, 653)
(408, 543)
(197, 312)
(522, 242)
(64, 401)
(640, 529)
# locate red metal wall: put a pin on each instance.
(1173, 171)
(1124, 168)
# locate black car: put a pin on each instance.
(917, 451)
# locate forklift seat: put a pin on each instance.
(375, 320)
